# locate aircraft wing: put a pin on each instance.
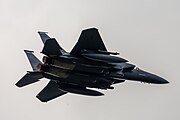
(89, 39)
(50, 92)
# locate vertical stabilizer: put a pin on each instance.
(34, 61)
(43, 36)
(51, 46)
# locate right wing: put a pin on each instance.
(50, 92)
(89, 39)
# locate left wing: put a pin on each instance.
(89, 39)
(50, 92)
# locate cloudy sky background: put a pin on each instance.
(146, 32)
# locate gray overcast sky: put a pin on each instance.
(146, 32)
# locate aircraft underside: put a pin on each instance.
(88, 65)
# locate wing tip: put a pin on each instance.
(90, 29)
(18, 85)
(42, 100)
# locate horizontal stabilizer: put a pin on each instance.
(44, 36)
(29, 78)
(34, 61)
(79, 90)
(50, 92)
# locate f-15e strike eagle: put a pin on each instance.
(88, 65)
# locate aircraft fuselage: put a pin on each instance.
(94, 72)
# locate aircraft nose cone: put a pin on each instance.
(160, 80)
(152, 78)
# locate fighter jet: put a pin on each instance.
(88, 65)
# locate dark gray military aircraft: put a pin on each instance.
(88, 65)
